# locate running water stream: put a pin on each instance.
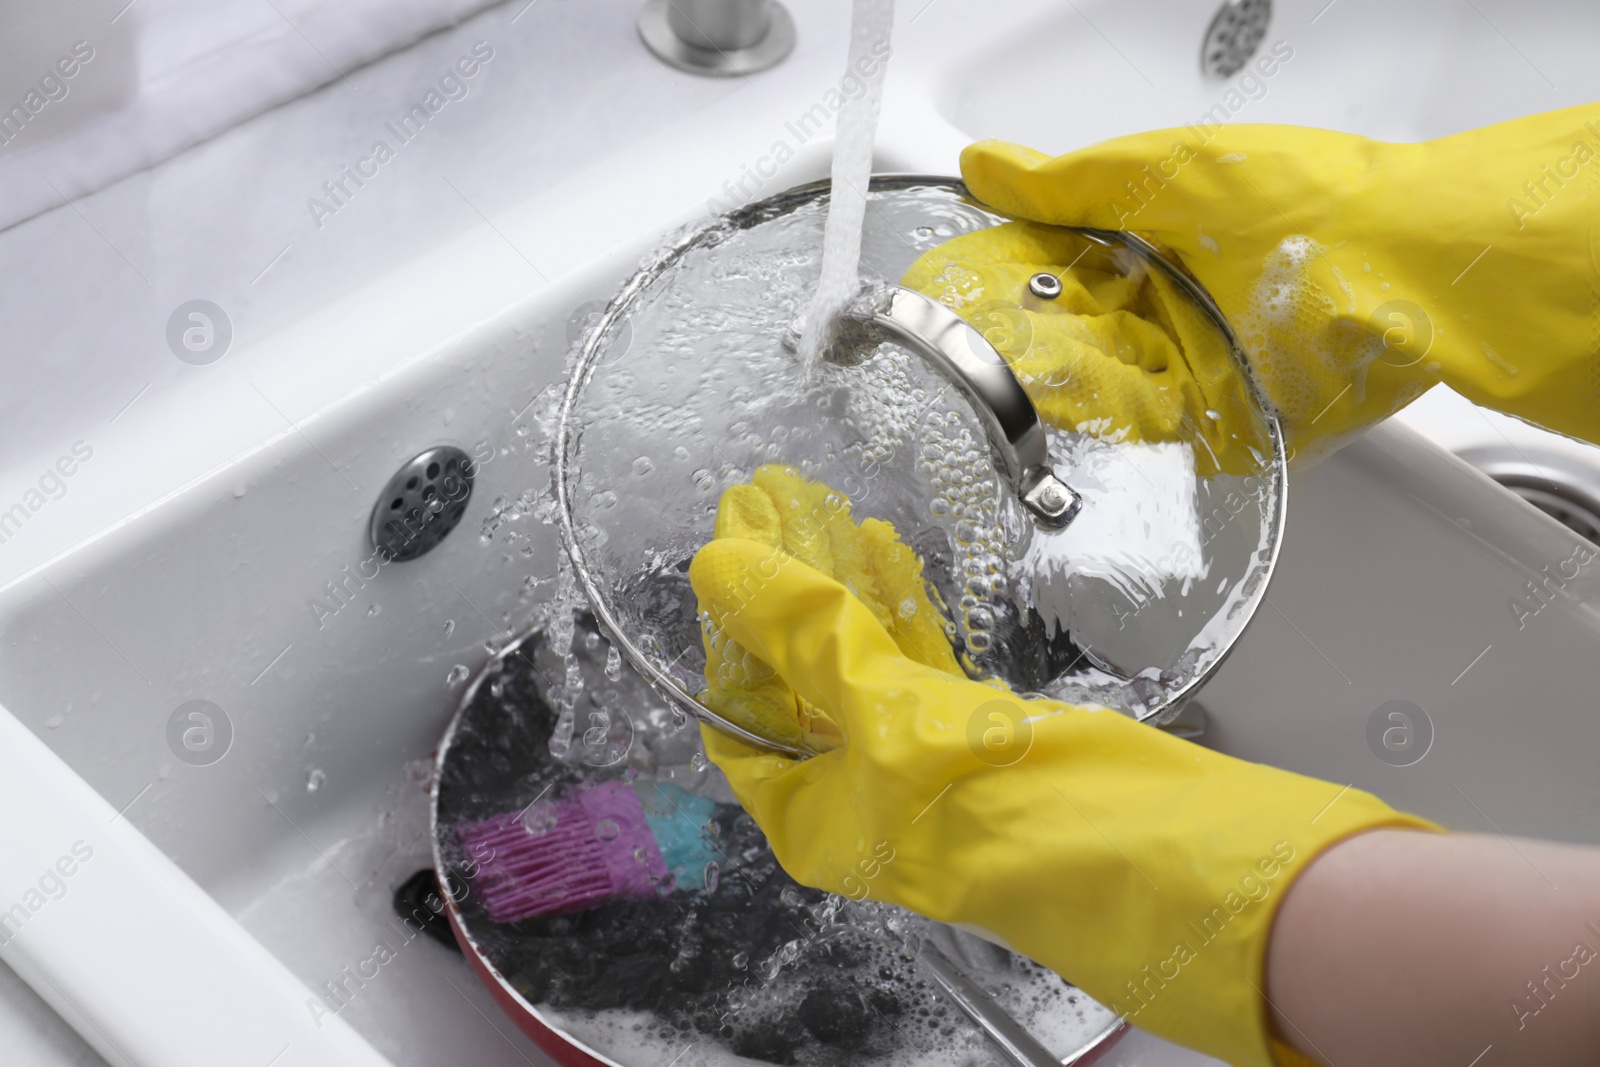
(871, 23)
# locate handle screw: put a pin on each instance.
(1044, 285)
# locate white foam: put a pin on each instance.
(1285, 331)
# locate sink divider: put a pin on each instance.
(127, 948)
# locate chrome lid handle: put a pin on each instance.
(963, 357)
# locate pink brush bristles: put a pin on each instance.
(598, 847)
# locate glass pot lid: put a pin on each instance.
(1080, 562)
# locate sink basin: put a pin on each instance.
(1073, 74)
(214, 546)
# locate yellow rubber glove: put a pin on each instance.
(1143, 868)
(812, 523)
(1358, 273)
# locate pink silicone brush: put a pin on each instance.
(618, 840)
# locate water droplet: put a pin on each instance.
(643, 466)
(449, 627)
(374, 610)
(315, 779)
(740, 960)
(607, 830)
(613, 663)
(713, 876)
(540, 819)
(457, 675)
(55, 720)
(703, 480)
(698, 761)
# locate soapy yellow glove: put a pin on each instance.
(1355, 273)
(1143, 868)
(1127, 357)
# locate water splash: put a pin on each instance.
(564, 695)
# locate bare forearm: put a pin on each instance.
(1418, 949)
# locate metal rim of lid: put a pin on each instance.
(665, 44)
(713, 230)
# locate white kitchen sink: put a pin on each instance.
(1073, 74)
(187, 558)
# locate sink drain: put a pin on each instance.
(1582, 517)
(1234, 35)
(1561, 485)
(422, 503)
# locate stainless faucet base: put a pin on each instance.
(657, 30)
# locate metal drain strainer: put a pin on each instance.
(1233, 36)
(422, 503)
(1564, 483)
